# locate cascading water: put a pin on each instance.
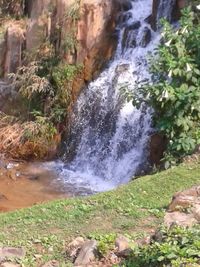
(109, 135)
(165, 9)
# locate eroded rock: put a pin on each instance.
(74, 247)
(184, 210)
(122, 243)
(52, 263)
(15, 38)
(9, 264)
(11, 252)
(185, 199)
(179, 218)
(146, 37)
(87, 253)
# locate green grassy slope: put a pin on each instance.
(133, 209)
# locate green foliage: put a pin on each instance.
(29, 83)
(106, 242)
(46, 85)
(179, 247)
(70, 42)
(102, 214)
(74, 11)
(175, 92)
(43, 128)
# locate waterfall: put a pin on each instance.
(165, 9)
(109, 135)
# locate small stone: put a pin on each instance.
(122, 68)
(50, 249)
(77, 242)
(38, 256)
(74, 247)
(87, 253)
(9, 264)
(144, 241)
(122, 243)
(157, 236)
(10, 252)
(196, 212)
(52, 263)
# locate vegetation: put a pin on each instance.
(44, 85)
(11, 7)
(133, 209)
(178, 247)
(27, 139)
(175, 92)
(44, 82)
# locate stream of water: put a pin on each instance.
(109, 135)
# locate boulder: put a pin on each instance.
(87, 253)
(122, 68)
(11, 253)
(9, 264)
(179, 218)
(123, 249)
(185, 199)
(184, 210)
(146, 37)
(122, 243)
(52, 263)
(74, 247)
(135, 25)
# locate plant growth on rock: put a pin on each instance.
(175, 92)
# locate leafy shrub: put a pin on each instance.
(45, 88)
(179, 247)
(175, 92)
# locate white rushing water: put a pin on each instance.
(109, 135)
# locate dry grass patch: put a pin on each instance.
(27, 140)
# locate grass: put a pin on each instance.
(133, 209)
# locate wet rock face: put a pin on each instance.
(160, 9)
(157, 148)
(146, 37)
(124, 5)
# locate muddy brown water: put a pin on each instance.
(26, 184)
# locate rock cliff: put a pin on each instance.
(80, 31)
